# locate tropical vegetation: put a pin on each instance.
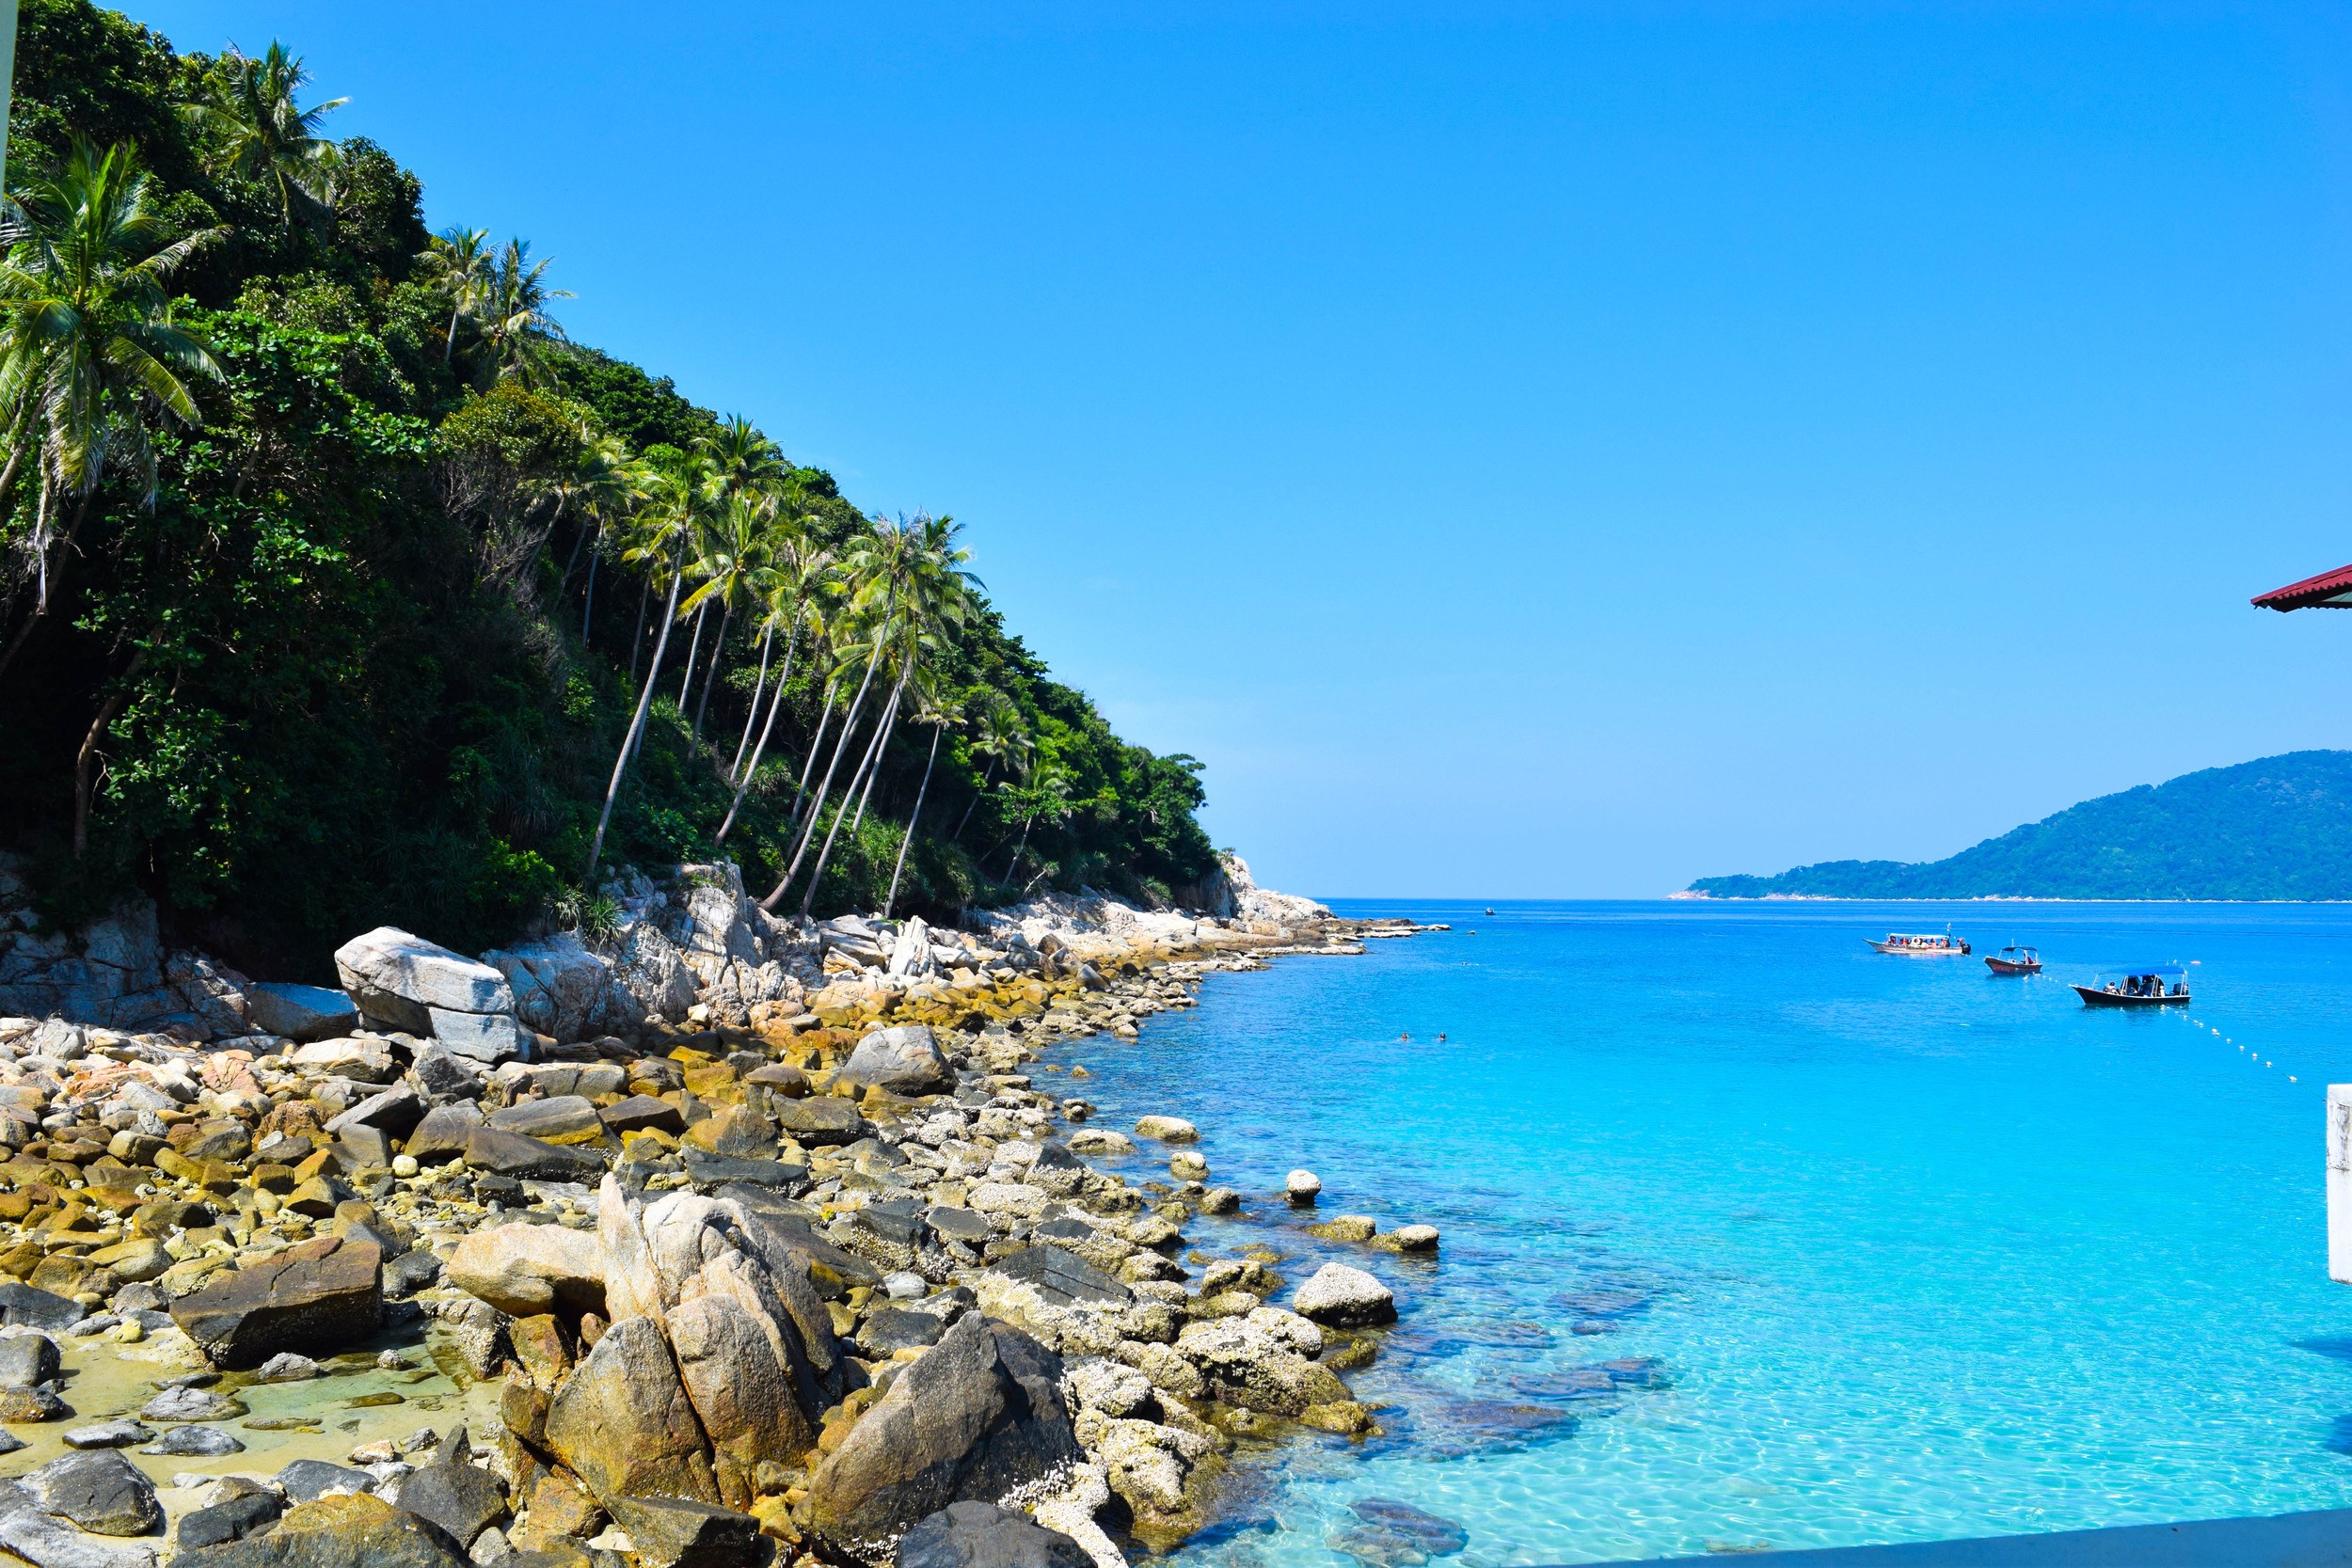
(338, 585)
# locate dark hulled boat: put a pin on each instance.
(2014, 960)
(2139, 986)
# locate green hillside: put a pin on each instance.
(2277, 828)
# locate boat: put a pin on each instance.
(2014, 960)
(1922, 946)
(2138, 985)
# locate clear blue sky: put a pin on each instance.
(1522, 450)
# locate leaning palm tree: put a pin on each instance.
(938, 712)
(925, 596)
(88, 348)
(516, 324)
(260, 133)
(733, 552)
(677, 494)
(457, 262)
(791, 589)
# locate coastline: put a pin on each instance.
(837, 1134)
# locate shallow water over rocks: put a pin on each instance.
(1754, 1237)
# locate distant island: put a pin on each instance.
(2277, 829)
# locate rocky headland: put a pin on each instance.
(698, 1239)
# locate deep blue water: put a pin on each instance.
(1865, 1248)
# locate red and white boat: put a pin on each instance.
(1927, 946)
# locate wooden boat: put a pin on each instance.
(2014, 960)
(1918, 947)
(2139, 986)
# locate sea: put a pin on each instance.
(1756, 1239)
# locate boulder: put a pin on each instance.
(195, 1442)
(1168, 1129)
(28, 1360)
(903, 1059)
(672, 1532)
(1062, 1277)
(322, 1295)
(463, 1499)
(624, 1423)
(1347, 1297)
(394, 1112)
(442, 1135)
(231, 1519)
(981, 1535)
(1243, 1364)
(22, 1307)
(528, 1159)
(48, 1541)
(397, 978)
(120, 1433)
(1302, 1187)
(345, 1531)
(300, 1013)
(561, 987)
(820, 1119)
(563, 1119)
(308, 1479)
(487, 1038)
(524, 1270)
(740, 1375)
(186, 1403)
(977, 1417)
(100, 1491)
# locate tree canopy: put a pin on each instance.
(341, 587)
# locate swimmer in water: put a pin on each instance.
(1405, 1036)
(1440, 1040)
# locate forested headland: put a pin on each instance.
(2275, 828)
(340, 587)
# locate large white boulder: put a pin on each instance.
(397, 978)
(300, 1013)
(1347, 1297)
(904, 1059)
(561, 987)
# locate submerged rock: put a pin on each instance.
(1348, 1297)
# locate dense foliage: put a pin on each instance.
(2280, 828)
(334, 574)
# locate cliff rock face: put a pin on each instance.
(114, 974)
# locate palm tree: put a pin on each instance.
(260, 133)
(87, 344)
(457, 262)
(998, 735)
(921, 595)
(743, 459)
(790, 588)
(515, 321)
(602, 483)
(938, 712)
(734, 551)
(1048, 795)
(676, 493)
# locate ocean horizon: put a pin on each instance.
(1757, 1239)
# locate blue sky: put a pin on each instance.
(1522, 450)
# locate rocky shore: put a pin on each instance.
(700, 1240)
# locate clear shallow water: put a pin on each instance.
(1883, 1249)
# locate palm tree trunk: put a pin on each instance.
(759, 689)
(871, 758)
(588, 611)
(636, 726)
(693, 649)
(1020, 848)
(743, 782)
(564, 584)
(637, 648)
(882, 748)
(449, 343)
(808, 768)
(847, 724)
(913, 817)
(718, 657)
(107, 713)
(957, 837)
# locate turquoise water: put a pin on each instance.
(1862, 1248)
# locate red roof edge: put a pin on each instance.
(2311, 592)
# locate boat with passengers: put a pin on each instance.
(1922, 946)
(2013, 960)
(2138, 985)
